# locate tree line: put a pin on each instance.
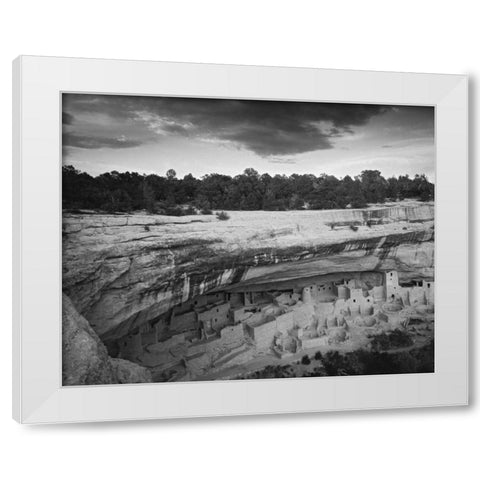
(169, 195)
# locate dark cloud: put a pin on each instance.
(91, 142)
(266, 128)
(67, 118)
(286, 161)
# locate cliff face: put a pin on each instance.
(85, 360)
(123, 270)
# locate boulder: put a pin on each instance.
(337, 335)
(85, 360)
(370, 321)
(332, 321)
(129, 372)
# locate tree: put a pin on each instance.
(306, 360)
(392, 188)
(80, 190)
(357, 198)
(223, 215)
(115, 191)
(149, 200)
(374, 186)
(213, 188)
(171, 174)
(246, 191)
(326, 193)
(295, 202)
(187, 189)
(404, 184)
(423, 188)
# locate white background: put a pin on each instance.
(406, 36)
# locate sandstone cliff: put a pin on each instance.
(85, 360)
(123, 270)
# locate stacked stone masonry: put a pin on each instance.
(211, 329)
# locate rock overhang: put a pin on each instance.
(119, 275)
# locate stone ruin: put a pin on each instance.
(216, 330)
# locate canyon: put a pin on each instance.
(131, 275)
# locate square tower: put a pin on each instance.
(391, 284)
(307, 294)
(429, 288)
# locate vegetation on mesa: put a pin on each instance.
(359, 362)
(169, 195)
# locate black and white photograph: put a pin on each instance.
(233, 239)
(243, 239)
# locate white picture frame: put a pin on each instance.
(38, 396)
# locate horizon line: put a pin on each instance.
(242, 173)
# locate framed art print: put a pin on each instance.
(202, 240)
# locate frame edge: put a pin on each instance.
(16, 240)
(21, 408)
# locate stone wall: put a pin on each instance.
(183, 322)
(343, 292)
(417, 296)
(391, 284)
(216, 315)
(285, 322)
(324, 293)
(149, 333)
(314, 342)
(232, 333)
(215, 297)
(429, 287)
(366, 306)
(241, 314)
(378, 293)
(287, 298)
(263, 334)
(130, 346)
(324, 309)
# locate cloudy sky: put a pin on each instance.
(153, 134)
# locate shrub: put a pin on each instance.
(381, 363)
(395, 339)
(305, 360)
(335, 364)
(317, 372)
(147, 228)
(369, 223)
(190, 210)
(354, 228)
(270, 371)
(223, 215)
(173, 211)
(350, 363)
(153, 209)
(425, 358)
(318, 356)
(206, 211)
(360, 362)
